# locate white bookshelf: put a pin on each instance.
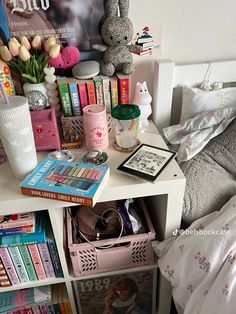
(164, 199)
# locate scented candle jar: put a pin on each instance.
(95, 127)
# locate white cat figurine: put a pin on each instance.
(143, 99)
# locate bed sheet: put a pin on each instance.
(200, 263)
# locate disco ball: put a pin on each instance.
(37, 100)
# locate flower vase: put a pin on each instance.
(28, 87)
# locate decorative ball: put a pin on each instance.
(36, 100)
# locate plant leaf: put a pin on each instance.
(29, 78)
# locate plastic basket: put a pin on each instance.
(76, 123)
(130, 251)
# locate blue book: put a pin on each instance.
(72, 182)
(28, 238)
(75, 101)
(52, 247)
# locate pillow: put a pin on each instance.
(195, 100)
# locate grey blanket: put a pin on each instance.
(211, 176)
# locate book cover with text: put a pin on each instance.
(66, 181)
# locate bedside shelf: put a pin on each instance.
(164, 199)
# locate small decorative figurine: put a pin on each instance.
(70, 140)
(143, 99)
(37, 100)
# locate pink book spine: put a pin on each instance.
(83, 95)
(38, 265)
(36, 309)
(9, 267)
(46, 259)
(43, 309)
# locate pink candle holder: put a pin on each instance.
(95, 127)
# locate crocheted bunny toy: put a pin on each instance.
(117, 32)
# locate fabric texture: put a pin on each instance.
(195, 100)
(210, 176)
(194, 133)
(200, 263)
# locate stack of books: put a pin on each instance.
(26, 257)
(33, 301)
(109, 92)
(147, 43)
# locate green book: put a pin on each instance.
(28, 262)
(65, 98)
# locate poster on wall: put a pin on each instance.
(127, 292)
(74, 22)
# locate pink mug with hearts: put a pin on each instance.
(95, 127)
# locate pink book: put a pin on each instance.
(83, 94)
(9, 267)
(36, 259)
(4, 280)
(46, 259)
(43, 309)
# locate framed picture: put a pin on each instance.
(147, 162)
(118, 293)
(75, 22)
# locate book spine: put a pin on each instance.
(83, 94)
(99, 91)
(43, 308)
(65, 99)
(55, 259)
(114, 92)
(21, 239)
(9, 267)
(91, 92)
(58, 196)
(4, 280)
(75, 101)
(36, 309)
(124, 92)
(18, 263)
(67, 307)
(28, 262)
(28, 310)
(56, 308)
(62, 308)
(50, 309)
(106, 94)
(38, 265)
(17, 230)
(46, 259)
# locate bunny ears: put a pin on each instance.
(111, 8)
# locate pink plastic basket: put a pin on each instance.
(132, 251)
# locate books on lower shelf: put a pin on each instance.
(17, 223)
(29, 257)
(103, 90)
(40, 300)
(66, 181)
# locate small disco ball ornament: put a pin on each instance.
(37, 100)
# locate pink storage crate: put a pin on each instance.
(132, 250)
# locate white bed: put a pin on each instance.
(188, 280)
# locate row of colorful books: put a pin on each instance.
(59, 308)
(102, 90)
(39, 300)
(29, 256)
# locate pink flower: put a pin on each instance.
(24, 53)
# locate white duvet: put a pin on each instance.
(200, 263)
(194, 133)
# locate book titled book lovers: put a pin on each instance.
(73, 182)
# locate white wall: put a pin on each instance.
(193, 30)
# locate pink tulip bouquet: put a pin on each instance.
(28, 59)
